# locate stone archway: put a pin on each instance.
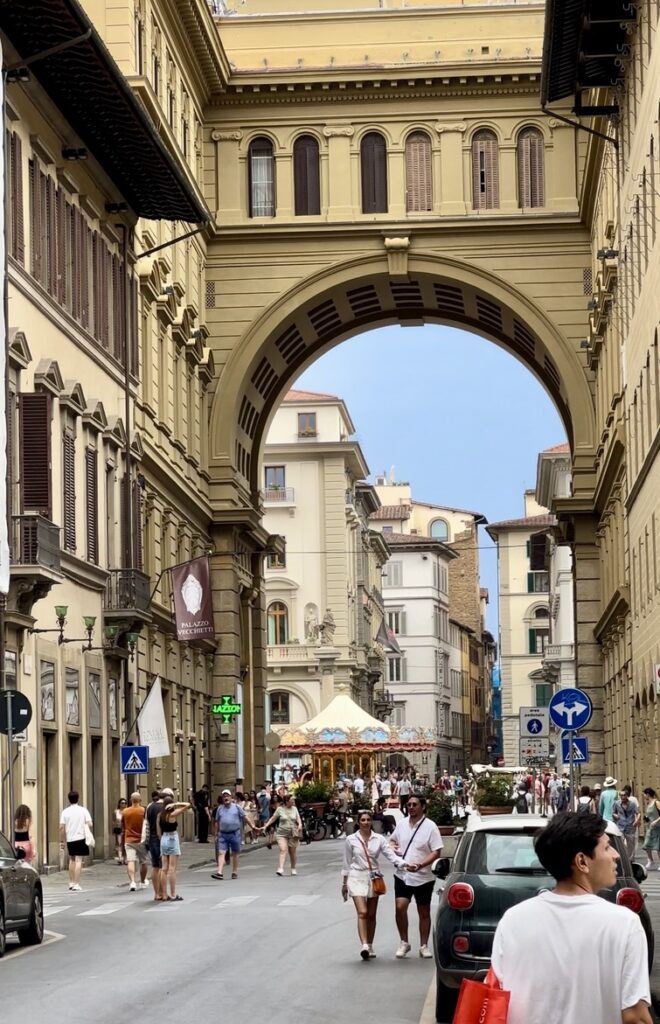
(365, 292)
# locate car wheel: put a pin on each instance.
(445, 1003)
(3, 937)
(34, 933)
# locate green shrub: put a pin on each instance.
(313, 793)
(494, 791)
(440, 807)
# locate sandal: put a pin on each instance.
(176, 899)
(216, 875)
(234, 875)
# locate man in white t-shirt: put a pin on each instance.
(403, 790)
(420, 838)
(358, 785)
(580, 934)
(72, 831)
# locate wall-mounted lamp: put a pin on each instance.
(131, 642)
(60, 615)
(89, 621)
(75, 153)
(607, 254)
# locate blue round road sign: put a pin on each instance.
(534, 726)
(570, 709)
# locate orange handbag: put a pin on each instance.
(482, 1002)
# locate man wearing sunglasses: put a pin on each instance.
(420, 839)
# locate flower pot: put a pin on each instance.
(493, 810)
(446, 830)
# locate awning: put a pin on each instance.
(584, 48)
(87, 86)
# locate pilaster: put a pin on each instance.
(227, 177)
(339, 172)
(452, 190)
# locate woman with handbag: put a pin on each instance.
(362, 880)
(288, 828)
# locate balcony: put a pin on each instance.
(383, 704)
(280, 655)
(279, 496)
(34, 544)
(127, 599)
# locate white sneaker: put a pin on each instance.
(132, 887)
(293, 871)
(403, 950)
(278, 872)
(372, 955)
(425, 953)
(75, 887)
(364, 952)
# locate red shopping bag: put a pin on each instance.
(482, 1002)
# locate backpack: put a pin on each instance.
(521, 804)
(584, 807)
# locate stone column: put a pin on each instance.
(397, 182)
(588, 655)
(229, 205)
(560, 168)
(327, 658)
(508, 179)
(340, 205)
(284, 186)
(452, 188)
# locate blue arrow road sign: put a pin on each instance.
(570, 709)
(580, 749)
(134, 760)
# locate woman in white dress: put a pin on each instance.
(359, 872)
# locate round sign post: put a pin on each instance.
(570, 709)
(15, 716)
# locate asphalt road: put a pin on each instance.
(260, 948)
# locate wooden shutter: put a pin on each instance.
(61, 248)
(419, 180)
(530, 582)
(17, 245)
(51, 237)
(134, 355)
(531, 171)
(485, 171)
(116, 307)
(69, 489)
(82, 268)
(137, 525)
(92, 505)
(306, 176)
(34, 460)
(36, 254)
(373, 168)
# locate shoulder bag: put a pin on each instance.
(378, 887)
(90, 841)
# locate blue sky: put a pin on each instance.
(458, 417)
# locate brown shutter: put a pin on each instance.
(34, 469)
(92, 505)
(51, 237)
(485, 171)
(524, 171)
(137, 525)
(537, 161)
(531, 171)
(69, 489)
(96, 312)
(105, 286)
(61, 248)
(36, 255)
(134, 354)
(82, 269)
(419, 179)
(11, 412)
(17, 249)
(306, 176)
(373, 168)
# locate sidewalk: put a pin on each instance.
(107, 873)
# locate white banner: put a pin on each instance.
(151, 723)
(4, 542)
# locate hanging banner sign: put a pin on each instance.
(193, 605)
(151, 723)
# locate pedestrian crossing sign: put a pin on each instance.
(580, 749)
(134, 760)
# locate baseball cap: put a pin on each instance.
(167, 792)
(226, 791)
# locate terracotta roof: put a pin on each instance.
(392, 512)
(526, 523)
(558, 449)
(309, 396)
(412, 540)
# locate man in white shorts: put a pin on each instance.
(578, 932)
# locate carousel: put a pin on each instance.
(344, 738)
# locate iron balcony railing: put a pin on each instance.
(127, 590)
(35, 540)
(279, 495)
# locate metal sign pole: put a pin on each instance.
(570, 770)
(9, 697)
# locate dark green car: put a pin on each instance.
(495, 867)
(21, 898)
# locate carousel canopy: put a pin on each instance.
(344, 725)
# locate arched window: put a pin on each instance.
(485, 171)
(278, 623)
(440, 529)
(279, 708)
(261, 168)
(306, 176)
(419, 175)
(531, 172)
(373, 166)
(539, 633)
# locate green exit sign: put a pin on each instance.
(226, 709)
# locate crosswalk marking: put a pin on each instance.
(235, 901)
(169, 905)
(298, 901)
(104, 909)
(50, 910)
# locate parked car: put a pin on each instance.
(21, 898)
(494, 867)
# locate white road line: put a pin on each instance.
(235, 901)
(105, 908)
(49, 911)
(298, 901)
(170, 905)
(49, 939)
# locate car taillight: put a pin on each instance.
(631, 898)
(461, 944)
(460, 896)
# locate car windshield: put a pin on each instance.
(513, 853)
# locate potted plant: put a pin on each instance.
(440, 809)
(493, 795)
(313, 794)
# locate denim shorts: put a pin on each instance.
(229, 841)
(169, 845)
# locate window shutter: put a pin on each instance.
(82, 268)
(530, 582)
(36, 257)
(35, 469)
(532, 641)
(134, 353)
(137, 526)
(51, 237)
(69, 489)
(306, 176)
(404, 670)
(92, 505)
(531, 183)
(402, 623)
(485, 171)
(419, 181)
(61, 248)
(373, 169)
(528, 547)
(16, 216)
